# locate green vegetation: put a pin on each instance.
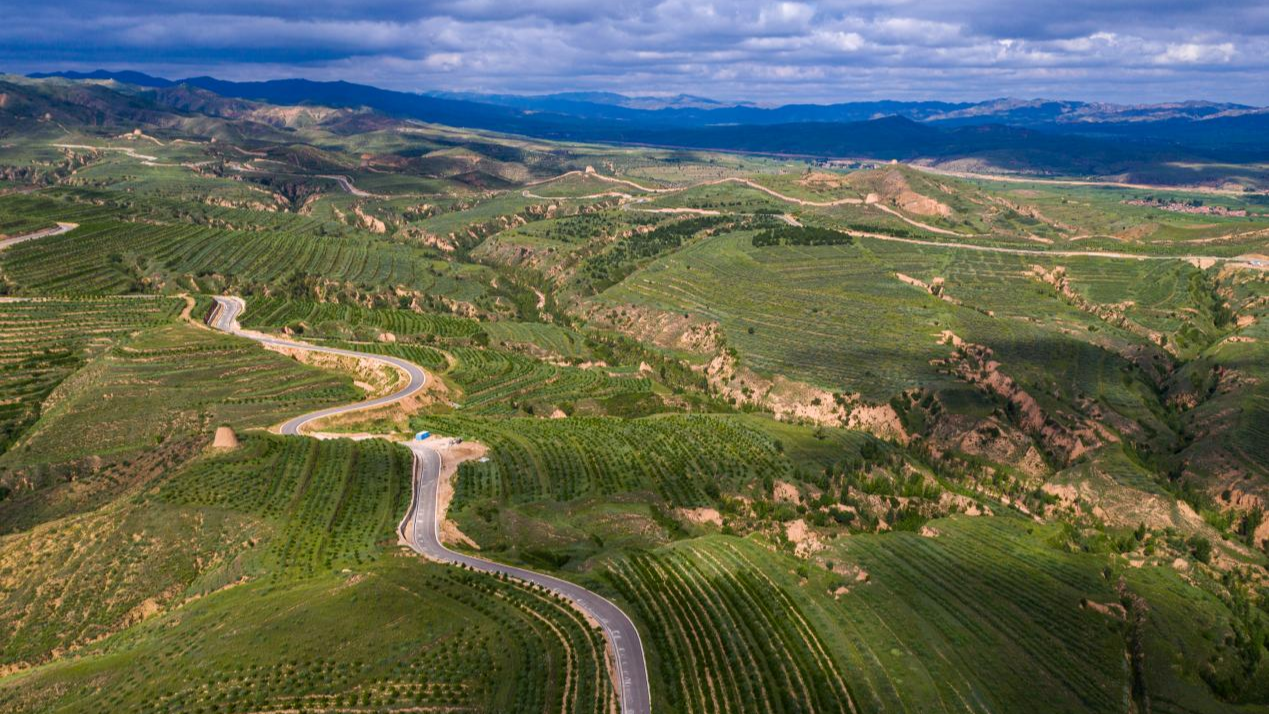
(303, 634)
(727, 635)
(43, 342)
(686, 460)
(610, 267)
(790, 235)
(329, 319)
(984, 615)
(897, 441)
(205, 379)
(335, 501)
(500, 382)
(112, 257)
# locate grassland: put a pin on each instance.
(562, 491)
(43, 342)
(312, 518)
(206, 379)
(983, 616)
(680, 458)
(998, 480)
(325, 318)
(130, 411)
(108, 257)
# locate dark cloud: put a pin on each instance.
(768, 51)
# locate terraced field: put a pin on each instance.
(205, 379)
(563, 342)
(494, 382)
(281, 312)
(16, 224)
(840, 317)
(981, 617)
(312, 510)
(798, 329)
(956, 465)
(729, 638)
(43, 342)
(109, 257)
(680, 458)
(42, 210)
(335, 500)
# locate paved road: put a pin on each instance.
(1243, 260)
(47, 232)
(346, 184)
(225, 318)
(623, 637)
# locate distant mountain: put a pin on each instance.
(1025, 135)
(678, 101)
(688, 111)
(1239, 136)
(609, 99)
(28, 102)
(126, 77)
(1042, 112)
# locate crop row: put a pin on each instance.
(43, 342)
(332, 499)
(104, 257)
(727, 637)
(177, 381)
(493, 380)
(683, 458)
(280, 312)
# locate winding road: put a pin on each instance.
(347, 184)
(46, 233)
(423, 516)
(1245, 261)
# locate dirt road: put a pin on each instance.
(1199, 260)
(1075, 182)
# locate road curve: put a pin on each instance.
(347, 184)
(623, 638)
(225, 318)
(1242, 260)
(46, 233)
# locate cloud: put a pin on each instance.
(770, 51)
(1195, 53)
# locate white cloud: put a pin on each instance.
(1195, 53)
(829, 50)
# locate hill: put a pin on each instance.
(1010, 135)
(834, 435)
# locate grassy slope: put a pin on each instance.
(306, 526)
(205, 379)
(986, 616)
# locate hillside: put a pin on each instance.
(850, 435)
(1031, 137)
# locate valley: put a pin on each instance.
(321, 408)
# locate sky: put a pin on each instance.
(1125, 51)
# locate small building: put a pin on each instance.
(422, 435)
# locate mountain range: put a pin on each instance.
(1033, 136)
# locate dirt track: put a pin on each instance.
(1199, 260)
